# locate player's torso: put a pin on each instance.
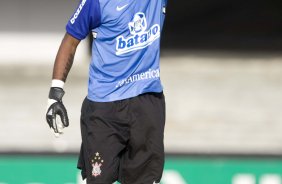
(126, 48)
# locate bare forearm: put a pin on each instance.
(64, 58)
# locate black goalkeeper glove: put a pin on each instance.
(56, 107)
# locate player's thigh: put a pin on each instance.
(144, 159)
(102, 142)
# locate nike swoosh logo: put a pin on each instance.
(122, 7)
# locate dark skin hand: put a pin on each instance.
(64, 58)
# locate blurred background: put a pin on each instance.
(221, 69)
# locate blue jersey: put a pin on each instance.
(126, 46)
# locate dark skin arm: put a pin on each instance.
(64, 58)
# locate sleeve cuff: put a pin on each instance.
(74, 34)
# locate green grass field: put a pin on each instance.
(178, 170)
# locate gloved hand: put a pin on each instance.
(56, 107)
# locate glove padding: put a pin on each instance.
(56, 107)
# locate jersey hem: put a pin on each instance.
(123, 98)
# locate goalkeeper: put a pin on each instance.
(123, 114)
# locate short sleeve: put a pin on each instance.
(86, 17)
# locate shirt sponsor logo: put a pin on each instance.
(140, 36)
(150, 74)
(77, 11)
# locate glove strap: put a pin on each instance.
(56, 93)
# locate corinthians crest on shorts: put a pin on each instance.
(140, 36)
(96, 163)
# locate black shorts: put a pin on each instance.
(123, 140)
